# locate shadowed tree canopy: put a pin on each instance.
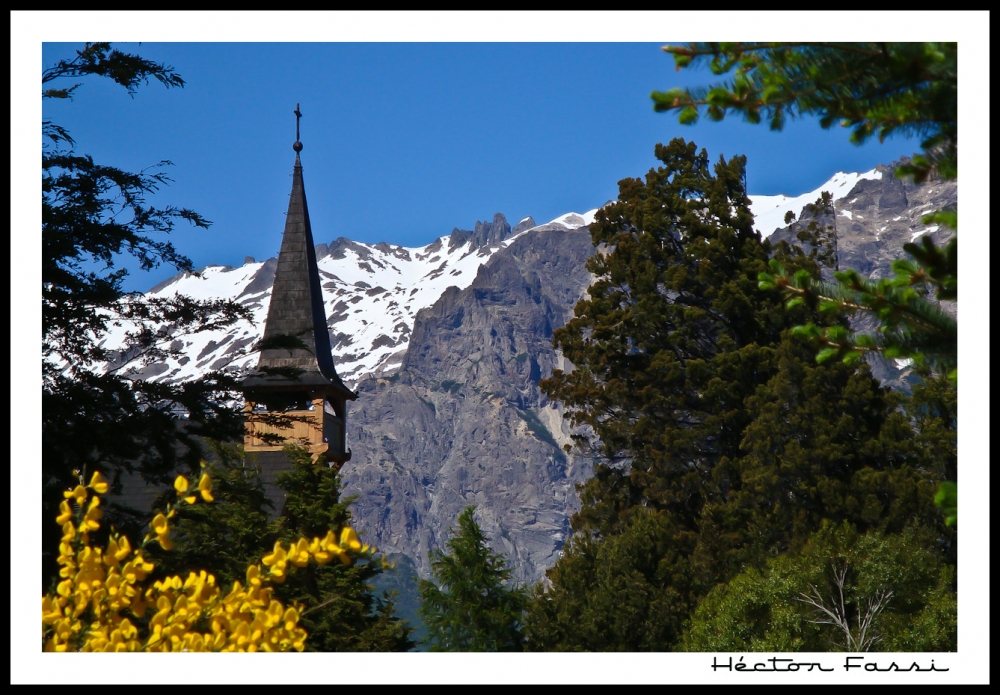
(99, 413)
(875, 89)
(719, 441)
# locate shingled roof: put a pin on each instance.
(296, 307)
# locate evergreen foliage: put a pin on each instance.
(98, 413)
(721, 441)
(627, 591)
(876, 89)
(911, 326)
(342, 613)
(472, 607)
(340, 609)
(227, 534)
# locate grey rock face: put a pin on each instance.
(878, 216)
(263, 280)
(338, 247)
(872, 224)
(524, 225)
(491, 233)
(464, 423)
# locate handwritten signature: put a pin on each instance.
(782, 664)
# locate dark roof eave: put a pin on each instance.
(309, 379)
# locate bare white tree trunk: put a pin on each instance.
(864, 636)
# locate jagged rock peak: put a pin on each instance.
(491, 233)
(485, 234)
(390, 250)
(339, 246)
(525, 224)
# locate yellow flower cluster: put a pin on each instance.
(322, 550)
(105, 603)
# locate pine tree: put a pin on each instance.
(876, 89)
(720, 441)
(98, 414)
(471, 607)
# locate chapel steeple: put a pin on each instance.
(297, 382)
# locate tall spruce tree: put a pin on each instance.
(720, 441)
(472, 607)
(875, 90)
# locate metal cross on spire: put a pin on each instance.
(298, 114)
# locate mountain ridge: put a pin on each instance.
(402, 280)
(447, 363)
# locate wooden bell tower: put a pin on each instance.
(296, 395)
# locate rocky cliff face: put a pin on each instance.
(463, 422)
(872, 223)
(879, 215)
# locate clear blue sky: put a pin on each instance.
(404, 141)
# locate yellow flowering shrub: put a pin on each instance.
(106, 600)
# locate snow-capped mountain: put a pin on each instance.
(769, 210)
(372, 294)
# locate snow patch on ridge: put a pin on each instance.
(573, 220)
(769, 210)
(371, 297)
(930, 230)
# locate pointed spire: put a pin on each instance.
(297, 307)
